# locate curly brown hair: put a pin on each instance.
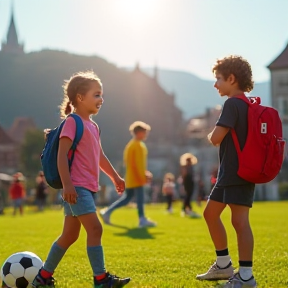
(79, 83)
(237, 66)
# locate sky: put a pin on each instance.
(184, 35)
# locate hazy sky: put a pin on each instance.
(176, 34)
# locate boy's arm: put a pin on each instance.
(226, 121)
(217, 135)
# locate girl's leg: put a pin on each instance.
(122, 201)
(95, 253)
(69, 235)
(241, 224)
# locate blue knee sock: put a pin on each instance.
(96, 258)
(54, 257)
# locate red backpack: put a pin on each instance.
(262, 156)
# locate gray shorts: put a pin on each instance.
(85, 203)
(239, 195)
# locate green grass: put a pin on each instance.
(169, 255)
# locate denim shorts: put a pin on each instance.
(239, 195)
(85, 203)
(17, 202)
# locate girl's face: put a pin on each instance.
(93, 99)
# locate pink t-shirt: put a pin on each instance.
(85, 167)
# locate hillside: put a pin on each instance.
(31, 85)
(194, 95)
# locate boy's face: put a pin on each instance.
(223, 86)
(141, 135)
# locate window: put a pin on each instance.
(283, 106)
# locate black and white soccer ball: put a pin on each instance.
(20, 269)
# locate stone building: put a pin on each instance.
(279, 87)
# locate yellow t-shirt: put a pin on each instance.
(135, 160)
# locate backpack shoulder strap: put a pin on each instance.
(78, 136)
(79, 130)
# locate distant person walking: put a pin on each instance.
(17, 193)
(135, 161)
(41, 191)
(188, 183)
(168, 189)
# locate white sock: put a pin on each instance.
(223, 261)
(245, 273)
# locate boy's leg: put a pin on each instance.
(139, 191)
(240, 222)
(222, 268)
(143, 221)
(122, 201)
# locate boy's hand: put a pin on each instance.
(119, 184)
(149, 176)
(69, 194)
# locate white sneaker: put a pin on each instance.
(144, 222)
(193, 214)
(105, 217)
(216, 273)
(237, 282)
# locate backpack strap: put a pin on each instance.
(78, 136)
(233, 132)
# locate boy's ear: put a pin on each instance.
(232, 79)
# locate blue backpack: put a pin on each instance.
(50, 152)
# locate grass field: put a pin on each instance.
(169, 255)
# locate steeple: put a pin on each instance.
(12, 46)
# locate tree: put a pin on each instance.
(30, 152)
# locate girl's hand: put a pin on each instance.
(69, 194)
(119, 184)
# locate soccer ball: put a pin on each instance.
(20, 269)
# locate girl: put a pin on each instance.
(188, 183)
(168, 189)
(83, 96)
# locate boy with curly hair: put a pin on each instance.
(233, 78)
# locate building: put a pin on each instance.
(12, 45)
(19, 128)
(279, 87)
(9, 153)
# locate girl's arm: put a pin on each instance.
(69, 193)
(109, 170)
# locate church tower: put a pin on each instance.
(12, 46)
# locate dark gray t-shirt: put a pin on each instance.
(233, 115)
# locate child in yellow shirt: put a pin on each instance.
(135, 161)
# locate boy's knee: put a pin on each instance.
(239, 223)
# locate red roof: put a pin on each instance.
(281, 62)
